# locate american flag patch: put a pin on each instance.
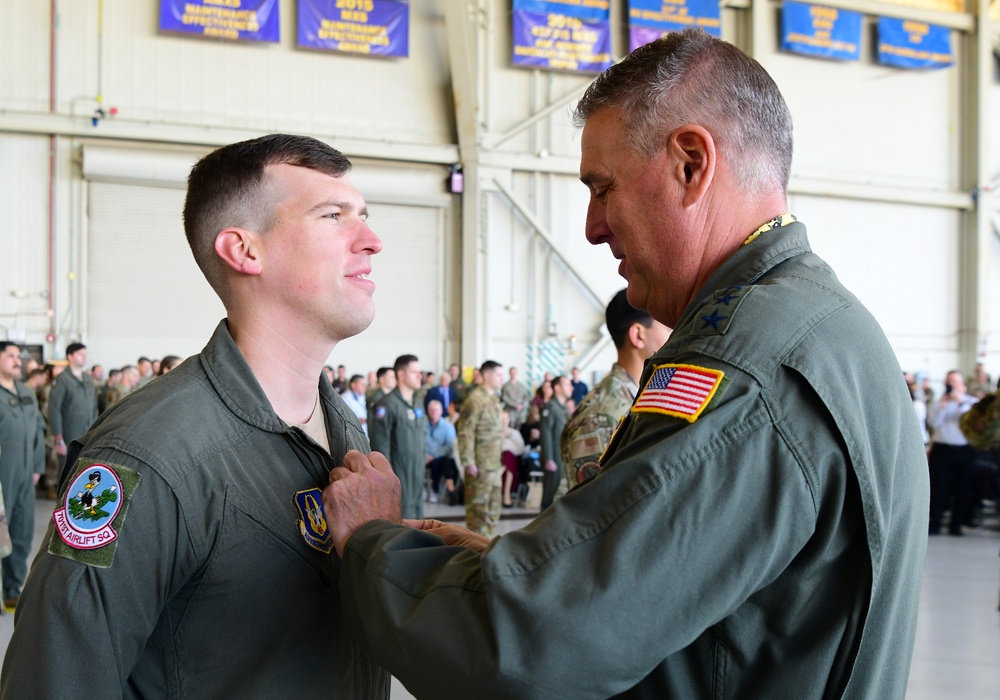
(679, 390)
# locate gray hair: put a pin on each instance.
(691, 77)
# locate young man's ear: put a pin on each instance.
(237, 248)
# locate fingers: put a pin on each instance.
(378, 461)
(423, 524)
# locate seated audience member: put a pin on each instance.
(511, 450)
(439, 438)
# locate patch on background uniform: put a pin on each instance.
(587, 471)
(92, 513)
(715, 317)
(380, 412)
(682, 391)
(312, 520)
(418, 412)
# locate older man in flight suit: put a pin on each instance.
(758, 525)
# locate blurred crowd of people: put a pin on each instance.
(963, 479)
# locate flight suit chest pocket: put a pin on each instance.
(269, 534)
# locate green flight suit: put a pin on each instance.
(72, 405)
(771, 548)
(22, 454)
(210, 589)
(480, 434)
(396, 429)
(553, 420)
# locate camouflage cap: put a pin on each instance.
(981, 424)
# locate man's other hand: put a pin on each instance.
(454, 535)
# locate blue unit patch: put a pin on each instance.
(380, 412)
(90, 505)
(419, 412)
(312, 520)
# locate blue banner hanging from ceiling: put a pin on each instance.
(363, 27)
(247, 20)
(648, 20)
(816, 30)
(567, 35)
(906, 43)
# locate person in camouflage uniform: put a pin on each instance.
(515, 397)
(480, 433)
(981, 424)
(587, 433)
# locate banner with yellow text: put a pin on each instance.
(364, 27)
(569, 35)
(248, 20)
(648, 20)
(816, 30)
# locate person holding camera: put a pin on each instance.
(952, 459)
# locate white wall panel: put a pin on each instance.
(992, 360)
(188, 80)
(860, 122)
(24, 169)
(145, 293)
(903, 264)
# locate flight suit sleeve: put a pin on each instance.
(684, 523)
(78, 623)
(466, 432)
(56, 398)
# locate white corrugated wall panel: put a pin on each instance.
(146, 296)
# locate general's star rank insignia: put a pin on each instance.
(312, 520)
(92, 513)
(716, 316)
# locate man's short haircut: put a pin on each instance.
(4, 344)
(691, 77)
(354, 378)
(488, 365)
(557, 380)
(113, 373)
(620, 315)
(435, 401)
(381, 372)
(227, 188)
(74, 347)
(35, 372)
(143, 359)
(403, 361)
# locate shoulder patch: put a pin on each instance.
(380, 412)
(682, 391)
(92, 513)
(715, 317)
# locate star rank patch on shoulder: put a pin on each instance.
(682, 391)
(715, 317)
(92, 513)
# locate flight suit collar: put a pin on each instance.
(749, 263)
(238, 388)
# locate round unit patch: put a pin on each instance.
(89, 507)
